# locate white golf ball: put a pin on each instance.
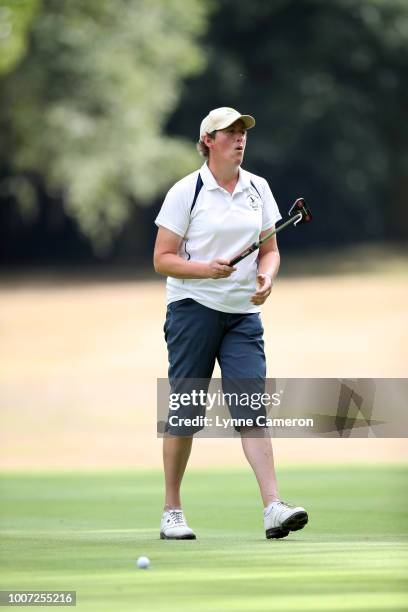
(143, 563)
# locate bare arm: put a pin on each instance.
(169, 263)
(268, 266)
(269, 257)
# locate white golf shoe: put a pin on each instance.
(280, 518)
(174, 526)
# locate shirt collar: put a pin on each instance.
(208, 177)
(210, 182)
(244, 181)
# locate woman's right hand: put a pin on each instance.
(220, 268)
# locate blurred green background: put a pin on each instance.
(100, 104)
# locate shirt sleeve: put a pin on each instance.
(175, 211)
(270, 210)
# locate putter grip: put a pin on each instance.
(244, 254)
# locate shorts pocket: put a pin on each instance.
(173, 309)
(167, 322)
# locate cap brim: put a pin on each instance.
(248, 120)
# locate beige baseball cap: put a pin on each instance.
(221, 118)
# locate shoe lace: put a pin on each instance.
(177, 516)
(286, 504)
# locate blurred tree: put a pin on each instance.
(82, 111)
(327, 84)
(15, 19)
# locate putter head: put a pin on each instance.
(300, 207)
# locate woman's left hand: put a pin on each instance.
(264, 283)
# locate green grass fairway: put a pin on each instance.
(85, 531)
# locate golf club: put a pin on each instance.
(298, 213)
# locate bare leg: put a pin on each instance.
(176, 451)
(259, 453)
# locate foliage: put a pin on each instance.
(100, 103)
(15, 19)
(326, 82)
(84, 110)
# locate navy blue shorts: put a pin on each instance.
(196, 337)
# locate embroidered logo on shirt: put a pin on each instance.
(253, 201)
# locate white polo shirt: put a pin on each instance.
(220, 225)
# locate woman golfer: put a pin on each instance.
(213, 309)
